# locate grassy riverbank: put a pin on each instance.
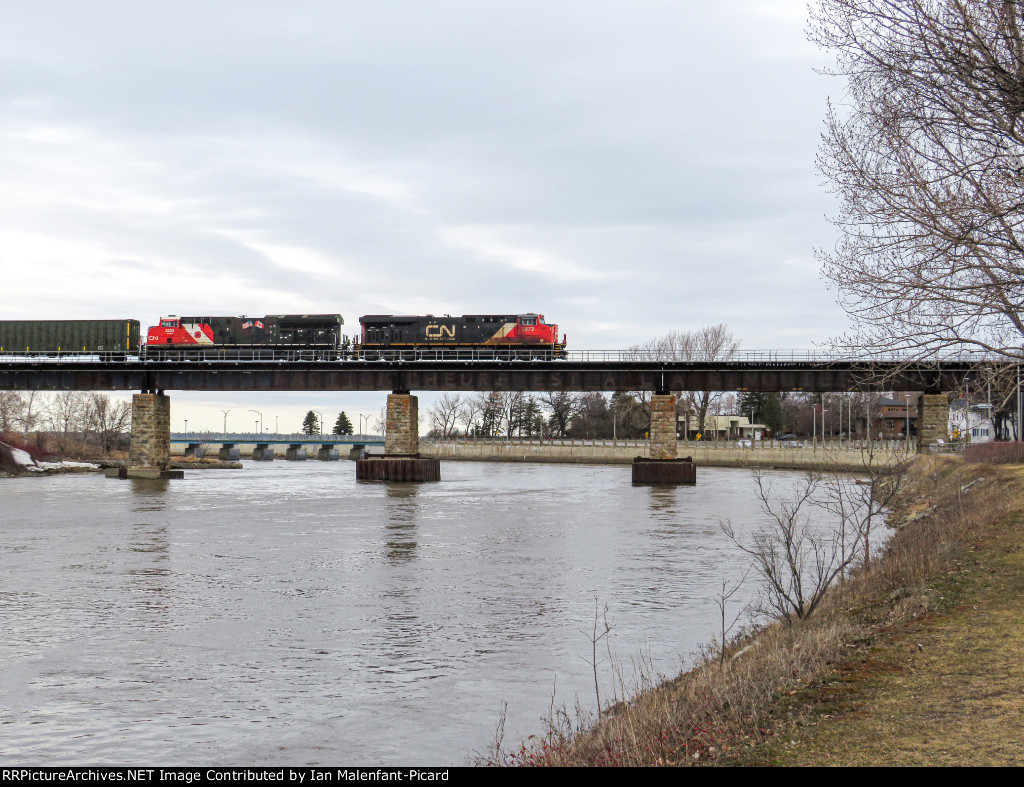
(915, 661)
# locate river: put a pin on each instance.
(285, 614)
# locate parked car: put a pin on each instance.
(789, 436)
(744, 444)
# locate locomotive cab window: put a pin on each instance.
(528, 320)
(168, 323)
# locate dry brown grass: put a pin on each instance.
(746, 711)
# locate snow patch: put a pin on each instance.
(22, 459)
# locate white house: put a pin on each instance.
(971, 421)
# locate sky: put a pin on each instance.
(625, 168)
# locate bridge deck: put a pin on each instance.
(621, 374)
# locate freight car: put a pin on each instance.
(319, 333)
(479, 335)
(108, 338)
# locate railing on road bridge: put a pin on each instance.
(275, 439)
(742, 358)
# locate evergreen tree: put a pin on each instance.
(342, 425)
(766, 407)
(311, 424)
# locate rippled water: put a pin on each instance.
(286, 614)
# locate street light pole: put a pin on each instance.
(225, 421)
(906, 431)
(260, 430)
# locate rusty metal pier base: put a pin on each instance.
(398, 467)
(664, 471)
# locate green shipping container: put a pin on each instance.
(69, 336)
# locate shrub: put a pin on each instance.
(995, 453)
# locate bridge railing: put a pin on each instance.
(278, 355)
(271, 437)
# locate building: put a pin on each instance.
(971, 421)
(892, 416)
(721, 427)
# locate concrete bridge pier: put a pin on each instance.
(401, 460)
(664, 466)
(328, 453)
(932, 420)
(229, 453)
(149, 454)
(295, 453)
(263, 452)
(195, 451)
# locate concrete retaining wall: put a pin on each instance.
(605, 452)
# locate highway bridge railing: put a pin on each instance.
(271, 437)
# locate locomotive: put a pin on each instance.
(500, 335)
(305, 331)
(319, 336)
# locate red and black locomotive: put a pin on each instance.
(381, 337)
(500, 335)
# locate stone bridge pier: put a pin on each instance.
(401, 460)
(149, 454)
(932, 420)
(664, 466)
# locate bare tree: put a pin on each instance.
(710, 343)
(66, 416)
(469, 413)
(925, 154)
(795, 559)
(563, 406)
(12, 408)
(722, 599)
(107, 419)
(859, 504)
(444, 415)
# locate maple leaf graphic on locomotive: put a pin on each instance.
(526, 336)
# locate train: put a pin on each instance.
(315, 336)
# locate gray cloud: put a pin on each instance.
(625, 168)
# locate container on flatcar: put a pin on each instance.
(69, 336)
(291, 330)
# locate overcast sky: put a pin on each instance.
(625, 168)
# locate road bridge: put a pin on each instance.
(327, 445)
(403, 372)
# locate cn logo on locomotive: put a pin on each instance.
(440, 332)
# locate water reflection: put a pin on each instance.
(149, 572)
(663, 501)
(150, 493)
(401, 511)
(289, 614)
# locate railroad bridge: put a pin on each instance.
(402, 373)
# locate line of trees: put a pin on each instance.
(68, 422)
(557, 414)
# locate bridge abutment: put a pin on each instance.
(401, 460)
(932, 420)
(664, 466)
